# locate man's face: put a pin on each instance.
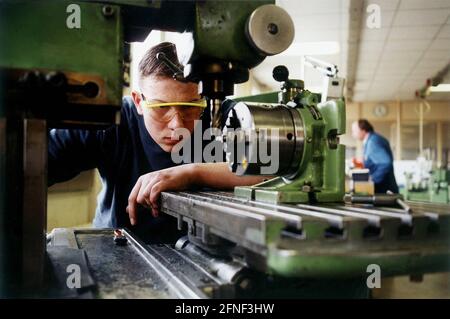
(161, 90)
(357, 133)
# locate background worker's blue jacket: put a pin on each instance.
(379, 160)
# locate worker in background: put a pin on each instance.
(134, 158)
(377, 156)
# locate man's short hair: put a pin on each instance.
(365, 125)
(151, 66)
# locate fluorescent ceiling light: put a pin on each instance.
(312, 48)
(440, 88)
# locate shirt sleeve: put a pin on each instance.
(377, 161)
(72, 151)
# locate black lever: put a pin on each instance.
(177, 71)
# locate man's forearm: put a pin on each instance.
(219, 176)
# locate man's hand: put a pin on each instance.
(149, 186)
(213, 175)
(357, 162)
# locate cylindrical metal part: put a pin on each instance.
(378, 199)
(403, 205)
(228, 270)
(270, 29)
(264, 139)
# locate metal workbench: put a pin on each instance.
(241, 248)
(327, 240)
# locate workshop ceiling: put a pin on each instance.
(393, 61)
(315, 21)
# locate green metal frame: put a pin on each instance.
(94, 49)
(219, 31)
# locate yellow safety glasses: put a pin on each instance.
(197, 103)
(166, 111)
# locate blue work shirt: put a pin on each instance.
(121, 154)
(379, 160)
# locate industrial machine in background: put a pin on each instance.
(291, 236)
(425, 181)
(434, 189)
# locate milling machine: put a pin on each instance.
(296, 224)
(279, 238)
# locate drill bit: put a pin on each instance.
(216, 114)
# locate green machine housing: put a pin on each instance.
(302, 129)
(51, 75)
(436, 189)
(57, 71)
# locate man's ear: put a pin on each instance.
(137, 101)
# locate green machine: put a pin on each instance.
(302, 130)
(68, 56)
(54, 73)
(63, 64)
(435, 190)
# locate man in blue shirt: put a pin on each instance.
(134, 158)
(377, 156)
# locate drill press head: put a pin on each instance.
(229, 39)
